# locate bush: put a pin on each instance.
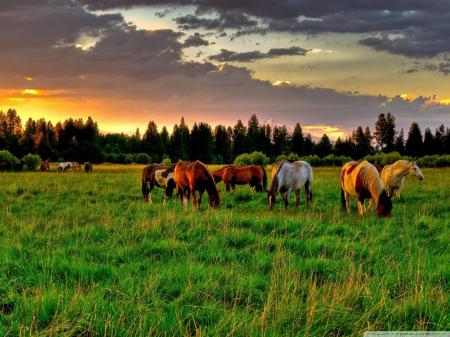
(167, 161)
(290, 157)
(129, 158)
(8, 161)
(143, 158)
(31, 161)
(254, 158)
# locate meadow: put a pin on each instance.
(82, 255)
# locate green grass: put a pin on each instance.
(81, 254)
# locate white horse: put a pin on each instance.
(288, 177)
(393, 176)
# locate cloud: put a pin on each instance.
(229, 20)
(232, 56)
(195, 40)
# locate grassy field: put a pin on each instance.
(81, 254)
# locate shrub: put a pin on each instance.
(254, 158)
(167, 161)
(31, 161)
(111, 158)
(8, 161)
(290, 157)
(129, 158)
(143, 158)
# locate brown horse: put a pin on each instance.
(88, 167)
(194, 176)
(45, 166)
(157, 175)
(253, 175)
(218, 174)
(75, 166)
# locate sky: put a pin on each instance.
(330, 65)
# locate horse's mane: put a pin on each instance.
(275, 182)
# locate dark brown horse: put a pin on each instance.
(157, 175)
(218, 174)
(45, 166)
(88, 167)
(253, 175)
(194, 176)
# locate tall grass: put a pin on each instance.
(81, 254)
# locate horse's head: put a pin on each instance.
(415, 171)
(384, 205)
(271, 199)
(214, 200)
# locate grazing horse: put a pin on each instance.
(288, 176)
(157, 175)
(194, 176)
(45, 166)
(88, 167)
(253, 175)
(65, 166)
(361, 180)
(393, 176)
(218, 174)
(75, 166)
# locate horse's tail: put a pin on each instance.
(264, 178)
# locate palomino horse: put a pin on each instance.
(288, 176)
(65, 166)
(75, 166)
(194, 176)
(361, 180)
(393, 176)
(45, 166)
(88, 167)
(253, 175)
(157, 175)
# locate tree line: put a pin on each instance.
(78, 140)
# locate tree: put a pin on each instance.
(42, 139)
(297, 140)
(222, 144)
(151, 142)
(344, 147)
(165, 141)
(399, 143)
(428, 142)
(362, 143)
(179, 142)
(414, 144)
(280, 140)
(439, 140)
(308, 148)
(27, 140)
(239, 139)
(253, 134)
(324, 147)
(385, 132)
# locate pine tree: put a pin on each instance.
(414, 144)
(165, 141)
(151, 142)
(399, 144)
(308, 146)
(239, 139)
(280, 140)
(362, 144)
(297, 140)
(27, 140)
(428, 143)
(324, 147)
(439, 140)
(253, 134)
(385, 132)
(222, 144)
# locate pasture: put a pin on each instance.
(81, 254)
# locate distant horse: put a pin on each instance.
(64, 166)
(253, 175)
(157, 175)
(288, 176)
(194, 176)
(75, 166)
(393, 176)
(361, 180)
(88, 167)
(45, 166)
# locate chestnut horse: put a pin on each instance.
(218, 174)
(159, 175)
(45, 166)
(88, 167)
(253, 175)
(194, 176)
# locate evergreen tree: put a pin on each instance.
(253, 134)
(428, 143)
(135, 142)
(222, 144)
(414, 144)
(324, 147)
(42, 139)
(179, 142)
(165, 141)
(399, 144)
(308, 146)
(344, 147)
(297, 140)
(447, 141)
(362, 143)
(280, 140)
(439, 140)
(27, 140)
(385, 132)
(151, 142)
(207, 141)
(239, 139)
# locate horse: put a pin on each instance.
(194, 176)
(361, 180)
(393, 176)
(64, 166)
(75, 166)
(288, 176)
(253, 175)
(88, 167)
(45, 166)
(157, 175)
(218, 174)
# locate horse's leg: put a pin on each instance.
(286, 196)
(347, 202)
(371, 203)
(362, 208)
(150, 188)
(297, 198)
(199, 200)
(194, 199)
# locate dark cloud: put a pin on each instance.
(232, 56)
(230, 20)
(195, 40)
